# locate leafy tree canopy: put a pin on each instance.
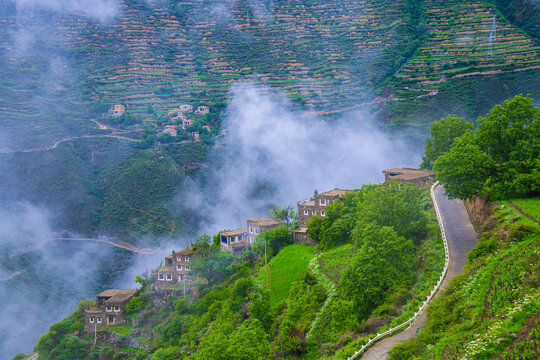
(501, 159)
(443, 133)
(210, 263)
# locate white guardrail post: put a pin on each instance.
(433, 292)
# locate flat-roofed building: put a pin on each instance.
(239, 240)
(110, 309)
(317, 205)
(417, 177)
(175, 271)
(258, 225)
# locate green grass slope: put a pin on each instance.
(284, 268)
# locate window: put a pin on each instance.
(256, 230)
(306, 212)
(99, 320)
(91, 320)
(322, 202)
(160, 277)
(186, 268)
(313, 212)
(116, 308)
(178, 267)
(169, 277)
(323, 213)
(178, 258)
(251, 230)
(181, 278)
(109, 308)
(186, 258)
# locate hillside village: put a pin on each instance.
(183, 122)
(174, 276)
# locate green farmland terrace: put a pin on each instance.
(325, 55)
(457, 47)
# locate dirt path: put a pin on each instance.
(461, 238)
(522, 212)
(109, 241)
(56, 143)
(327, 316)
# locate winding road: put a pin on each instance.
(56, 143)
(461, 238)
(106, 240)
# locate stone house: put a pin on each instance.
(186, 108)
(175, 272)
(171, 130)
(239, 240)
(186, 122)
(235, 241)
(417, 177)
(202, 110)
(118, 110)
(110, 309)
(317, 205)
(261, 224)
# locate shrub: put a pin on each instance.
(519, 231)
(483, 248)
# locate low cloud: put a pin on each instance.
(103, 11)
(42, 280)
(274, 153)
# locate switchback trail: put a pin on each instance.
(461, 238)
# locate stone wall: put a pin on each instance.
(479, 210)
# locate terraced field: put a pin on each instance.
(327, 55)
(302, 47)
(457, 47)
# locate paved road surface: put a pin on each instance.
(461, 238)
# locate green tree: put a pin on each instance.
(501, 159)
(443, 133)
(260, 307)
(465, 169)
(314, 227)
(396, 205)
(384, 261)
(274, 239)
(249, 342)
(210, 263)
(166, 353)
(285, 214)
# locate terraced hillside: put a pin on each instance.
(457, 47)
(327, 55)
(305, 48)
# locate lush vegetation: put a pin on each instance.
(305, 305)
(499, 160)
(62, 342)
(490, 311)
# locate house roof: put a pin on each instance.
(308, 203)
(118, 295)
(335, 192)
(187, 251)
(408, 173)
(164, 268)
(94, 310)
(261, 221)
(235, 232)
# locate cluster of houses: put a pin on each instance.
(175, 274)
(179, 116)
